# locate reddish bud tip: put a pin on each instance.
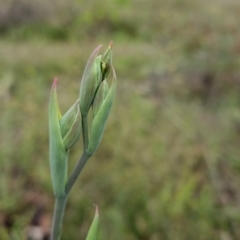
(55, 82)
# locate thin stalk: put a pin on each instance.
(85, 132)
(76, 171)
(60, 204)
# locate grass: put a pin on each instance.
(168, 166)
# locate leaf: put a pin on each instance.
(92, 233)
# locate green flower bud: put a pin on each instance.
(58, 153)
(70, 126)
(100, 119)
(106, 62)
(100, 96)
(91, 80)
(64, 132)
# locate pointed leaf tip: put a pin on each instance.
(96, 209)
(111, 44)
(92, 233)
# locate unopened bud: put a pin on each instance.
(100, 119)
(70, 125)
(58, 153)
(106, 62)
(91, 79)
(100, 96)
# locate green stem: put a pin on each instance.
(60, 204)
(76, 171)
(85, 131)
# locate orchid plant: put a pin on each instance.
(65, 131)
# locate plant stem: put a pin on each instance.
(76, 171)
(85, 132)
(60, 204)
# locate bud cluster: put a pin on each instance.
(95, 93)
(65, 131)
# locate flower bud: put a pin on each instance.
(70, 126)
(106, 62)
(101, 116)
(64, 132)
(58, 153)
(91, 79)
(100, 96)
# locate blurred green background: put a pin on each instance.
(168, 167)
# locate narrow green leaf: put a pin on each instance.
(92, 233)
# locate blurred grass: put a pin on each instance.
(168, 166)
